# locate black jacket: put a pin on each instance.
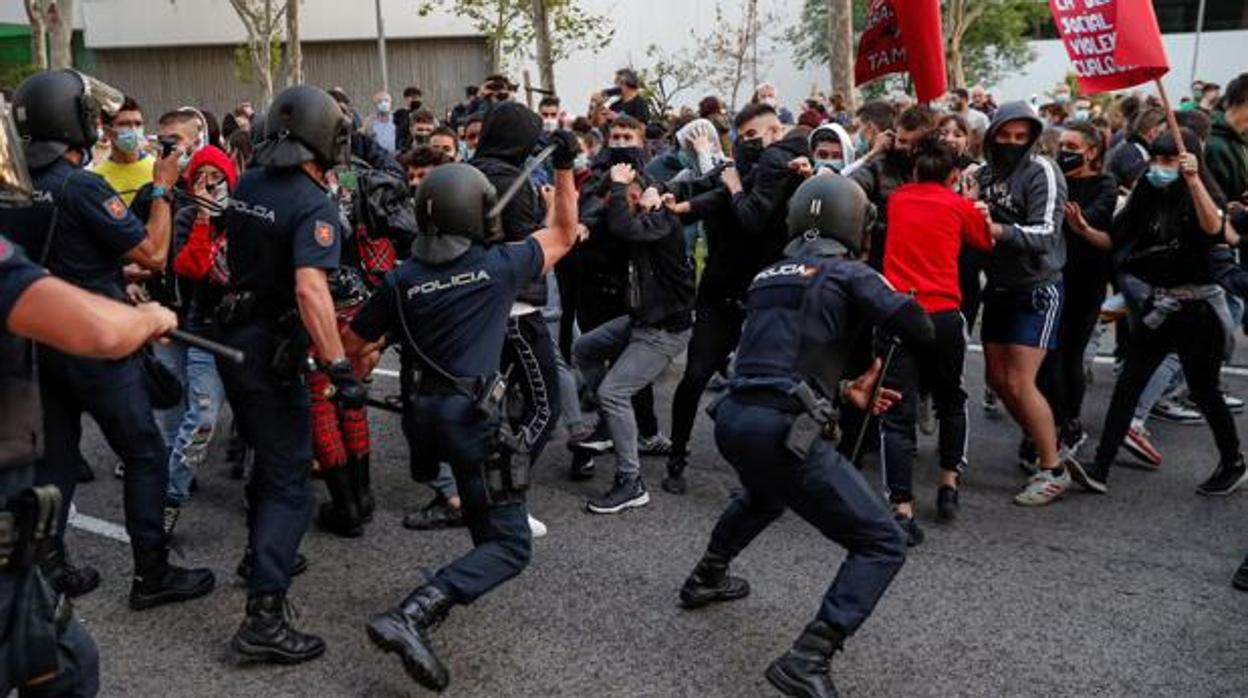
(1157, 236)
(660, 278)
(508, 135)
(879, 178)
(1097, 196)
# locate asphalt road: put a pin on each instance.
(1122, 595)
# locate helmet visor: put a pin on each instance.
(101, 96)
(15, 185)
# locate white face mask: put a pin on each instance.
(550, 125)
(221, 196)
(383, 107)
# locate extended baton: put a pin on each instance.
(875, 397)
(521, 180)
(230, 354)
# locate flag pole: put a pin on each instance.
(1174, 123)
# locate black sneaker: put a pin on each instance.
(1028, 456)
(628, 492)
(434, 516)
(1090, 477)
(675, 483)
(581, 468)
(67, 579)
(946, 503)
(1073, 437)
(914, 534)
(1225, 479)
(1240, 580)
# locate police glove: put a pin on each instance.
(566, 148)
(348, 391)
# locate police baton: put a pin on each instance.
(230, 354)
(875, 398)
(521, 180)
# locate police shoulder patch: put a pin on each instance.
(115, 207)
(324, 234)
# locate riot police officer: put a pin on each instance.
(43, 653)
(284, 237)
(773, 426)
(448, 306)
(81, 230)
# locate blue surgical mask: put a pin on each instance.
(834, 165)
(383, 107)
(861, 146)
(1081, 115)
(183, 160)
(581, 162)
(129, 140)
(1162, 177)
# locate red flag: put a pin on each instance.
(896, 31)
(1113, 44)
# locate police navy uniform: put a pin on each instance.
(802, 313)
(82, 229)
(21, 439)
(279, 220)
(457, 316)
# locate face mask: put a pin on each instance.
(99, 135)
(1162, 177)
(1069, 162)
(469, 153)
(129, 140)
(1081, 115)
(1007, 156)
(861, 146)
(834, 165)
(550, 125)
(183, 160)
(383, 107)
(1061, 98)
(626, 155)
(415, 104)
(581, 163)
(769, 101)
(746, 153)
(221, 196)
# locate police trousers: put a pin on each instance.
(115, 395)
(274, 417)
(450, 429)
(78, 661)
(825, 489)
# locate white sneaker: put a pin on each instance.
(537, 528)
(1043, 488)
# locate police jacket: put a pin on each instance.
(805, 313)
(21, 429)
(1029, 202)
(508, 135)
(660, 288)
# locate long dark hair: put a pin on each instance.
(1093, 137)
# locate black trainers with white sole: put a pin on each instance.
(628, 492)
(1225, 479)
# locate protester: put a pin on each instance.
(128, 167)
(381, 123)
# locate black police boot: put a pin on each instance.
(362, 479)
(675, 483)
(156, 582)
(67, 579)
(804, 669)
(709, 582)
(341, 515)
(245, 565)
(403, 630)
(266, 634)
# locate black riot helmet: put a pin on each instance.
(56, 110)
(830, 207)
(304, 123)
(453, 204)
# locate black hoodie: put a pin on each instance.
(509, 133)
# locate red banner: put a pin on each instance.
(1113, 44)
(897, 31)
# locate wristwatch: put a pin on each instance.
(161, 192)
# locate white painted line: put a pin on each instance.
(108, 529)
(1109, 361)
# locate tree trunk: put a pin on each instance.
(541, 34)
(294, 49)
(38, 33)
(957, 72)
(841, 49)
(61, 25)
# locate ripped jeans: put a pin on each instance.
(188, 428)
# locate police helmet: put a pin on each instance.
(453, 204)
(830, 207)
(55, 112)
(304, 124)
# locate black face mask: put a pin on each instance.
(626, 155)
(746, 153)
(1069, 162)
(415, 104)
(1007, 156)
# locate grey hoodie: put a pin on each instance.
(1029, 202)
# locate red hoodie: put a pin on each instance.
(927, 225)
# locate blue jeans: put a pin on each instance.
(188, 428)
(825, 489)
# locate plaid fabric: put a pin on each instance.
(377, 256)
(327, 442)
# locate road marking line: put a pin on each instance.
(1109, 361)
(108, 529)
